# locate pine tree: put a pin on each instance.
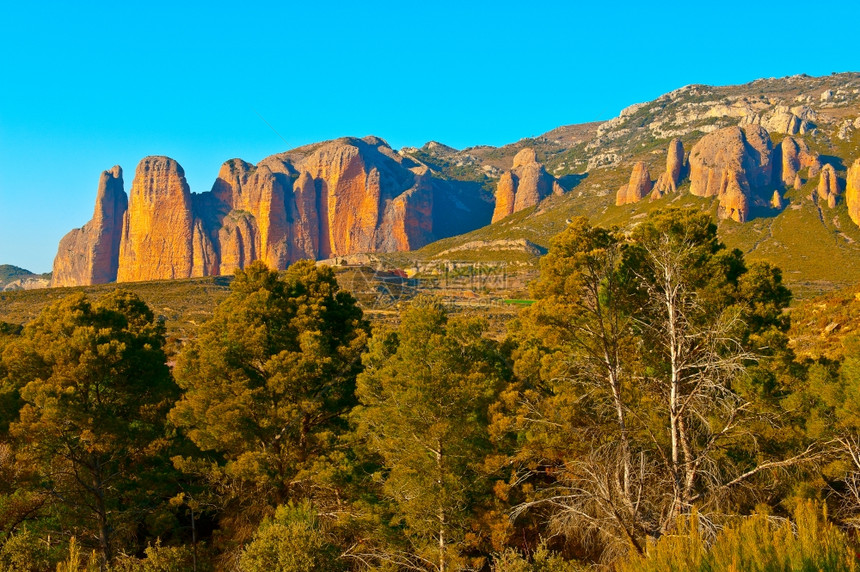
(95, 389)
(266, 386)
(651, 374)
(424, 396)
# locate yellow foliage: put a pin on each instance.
(77, 562)
(758, 543)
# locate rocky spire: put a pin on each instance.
(524, 186)
(159, 234)
(669, 179)
(828, 185)
(638, 187)
(852, 192)
(795, 156)
(90, 254)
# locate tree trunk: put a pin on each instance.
(443, 560)
(101, 517)
(674, 391)
(622, 427)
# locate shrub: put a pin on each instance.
(291, 542)
(158, 559)
(543, 560)
(811, 543)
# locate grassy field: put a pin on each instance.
(184, 305)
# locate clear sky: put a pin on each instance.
(85, 86)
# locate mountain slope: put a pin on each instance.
(817, 246)
(770, 157)
(15, 278)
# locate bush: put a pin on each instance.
(158, 559)
(291, 542)
(543, 560)
(24, 551)
(757, 543)
(78, 560)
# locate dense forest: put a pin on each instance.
(646, 412)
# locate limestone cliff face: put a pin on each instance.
(90, 254)
(731, 163)
(668, 181)
(524, 186)
(638, 187)
(784, 119)
(160, 237)
(852, 192)
(337, 198)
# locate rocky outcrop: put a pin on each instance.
(506, 192)
(637, 188)
(732, 164)
(852, 192)
(17, 278)
(668, 181)
(776, 201)
(784, 119)
(828, 186)
(368, 197)
(734, 201)
(90, 254)
(159, 233)
(524, 186)
(35, 282)
(254, 224)
(794, 156)
(337, 198)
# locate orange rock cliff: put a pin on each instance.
(90, 254)
(335, 198)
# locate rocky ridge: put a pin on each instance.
(336, 198)
(757, 150)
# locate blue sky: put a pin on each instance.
(85, 86)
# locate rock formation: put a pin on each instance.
(852, 192)
(784, 119)
(828, 185)
(524, 186)
(638, 187)
(794, 156)
(776, 201)
(90, 254)
(731, 164)
(159, 232)
(668, 181)
(335, 198)
(506, 192)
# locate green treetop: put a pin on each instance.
(266, 384)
